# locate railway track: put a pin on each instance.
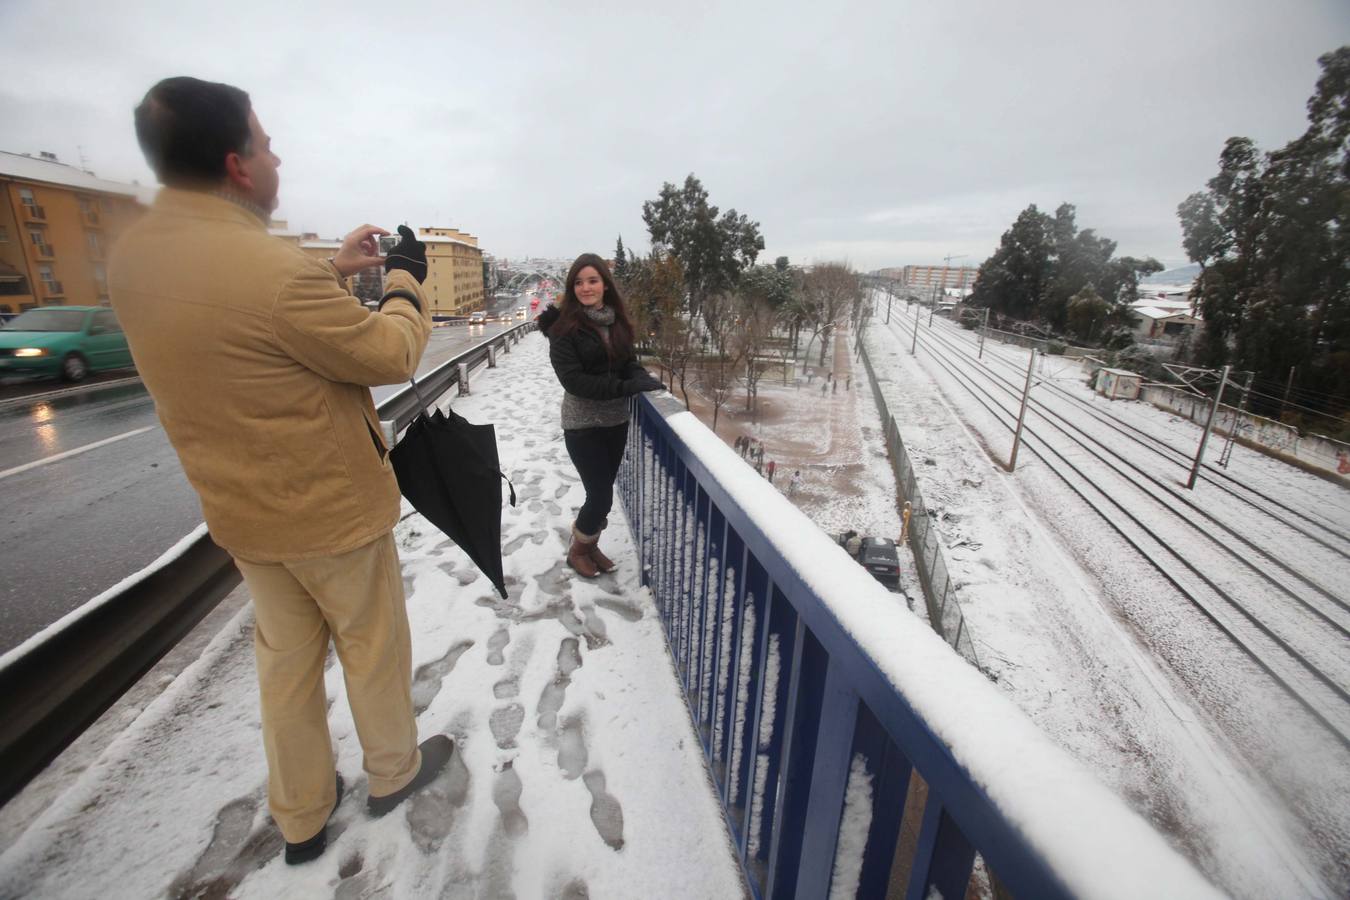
(1295, 628)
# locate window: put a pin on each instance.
(108, 321)
(94, 246)
(47, 275)
(26, 197)
(39, 239)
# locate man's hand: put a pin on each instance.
(409, 254)
(359, 250)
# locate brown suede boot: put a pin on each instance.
(579, 554)
(602, 562)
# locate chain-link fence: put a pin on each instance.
(944, 612)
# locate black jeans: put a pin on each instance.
(596, 452)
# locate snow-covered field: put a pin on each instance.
(572, 735)
(1102, 650)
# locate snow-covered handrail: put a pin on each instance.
(851, 748)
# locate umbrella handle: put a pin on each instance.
(420, 399)
(510, 485)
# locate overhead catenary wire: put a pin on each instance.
(1242, 644)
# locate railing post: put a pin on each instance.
(492, 356)
(944, 857)
(829, 778)
(463, 380)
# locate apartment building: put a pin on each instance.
(454, 271)
(926, 278)
(57, 223)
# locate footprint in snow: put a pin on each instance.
(606, 813)
(432, 810)
(429, 677)
(496, 644)
(551, 699)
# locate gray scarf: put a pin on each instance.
(600, 315)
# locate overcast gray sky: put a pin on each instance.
(884, 133)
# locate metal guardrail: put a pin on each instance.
(832, 776)
(58, 683)
(944, 612)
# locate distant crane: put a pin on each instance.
(947, 264)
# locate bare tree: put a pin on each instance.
(829, 292)
(655, 291)
(718, 371)
(758, 320)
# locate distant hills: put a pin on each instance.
(1183, 275)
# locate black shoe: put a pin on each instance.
(435, 754)
(313, 848)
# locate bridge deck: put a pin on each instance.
(576, 771)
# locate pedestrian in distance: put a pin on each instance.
(834, 387)
(590, 343)
(260, 365)
(823, 387)
(848, 383)
(771, 468)
(794, 482)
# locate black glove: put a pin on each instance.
(643, 381)
(409, 254)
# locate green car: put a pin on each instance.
(69, 341)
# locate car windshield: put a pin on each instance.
(47, 320)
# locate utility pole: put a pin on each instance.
(983, 328)
(1209, 423)
(1022, 413)
(914, 343)
(889, 296)
(1232, 432)
(1288, 386)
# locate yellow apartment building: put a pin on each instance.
(57, 223)
(454, 271)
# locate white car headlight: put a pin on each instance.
(30, 351)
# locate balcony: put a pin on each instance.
(53, 290)
(34, 213)
(44, 251)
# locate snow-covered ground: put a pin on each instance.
(573, 736)
(1104, 653)
(576, 773)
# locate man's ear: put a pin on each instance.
(236, 173)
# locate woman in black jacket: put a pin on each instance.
(591, 348)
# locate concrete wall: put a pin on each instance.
(1258, 432)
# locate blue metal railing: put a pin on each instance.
(830, 776)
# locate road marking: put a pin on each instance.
(76, 452)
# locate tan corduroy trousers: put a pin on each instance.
(357, 599)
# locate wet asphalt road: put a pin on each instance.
(73, 526)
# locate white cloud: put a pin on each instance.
(885, 132)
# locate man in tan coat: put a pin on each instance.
(260, 364)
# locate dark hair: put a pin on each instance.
(187, 127)
(571, 315)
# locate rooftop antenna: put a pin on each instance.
(84, 163)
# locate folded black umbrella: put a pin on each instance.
(449, 470)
